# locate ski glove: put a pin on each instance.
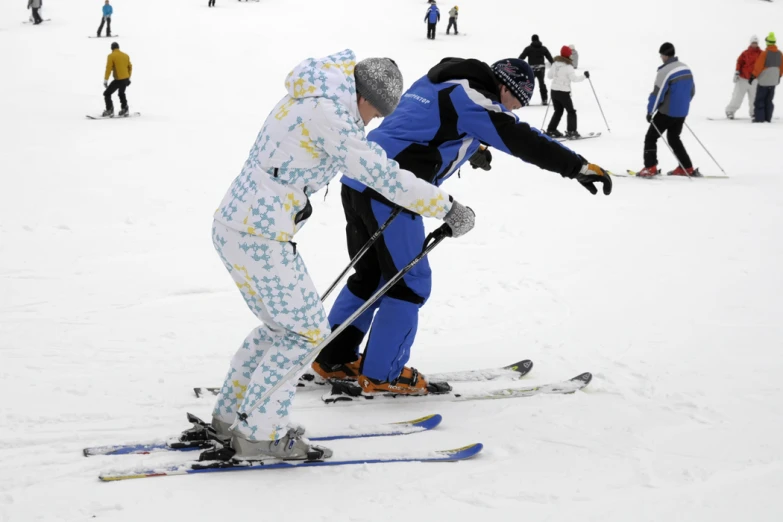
(105, 83)
(649, 118)
(736, 76)
(587, 74)
(460, 220)
(481, 159)
(750, 80)
(591, 174)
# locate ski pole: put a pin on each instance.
(361, 252)
(599, 105)
(432, 240)
(705, 149)
(652, 122)
(545, 113)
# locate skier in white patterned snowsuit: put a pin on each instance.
(313, 134)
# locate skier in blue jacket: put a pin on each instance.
(667, 107)
(432, 18)
(107, 12)
(444, 120)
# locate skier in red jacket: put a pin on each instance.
(743, 84)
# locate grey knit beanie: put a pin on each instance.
(379, 81)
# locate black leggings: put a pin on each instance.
(673, 128)
(561, 100)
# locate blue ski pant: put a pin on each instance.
(393, 320)
(763, 106)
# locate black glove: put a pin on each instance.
(649, 118)
(481, 159)
(591, 174)
(587, 74)
(750, 80)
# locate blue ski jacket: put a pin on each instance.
(433, 14)
(673, 91)
(445, 116)
(107, 10)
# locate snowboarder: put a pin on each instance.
(562, 74)
(535, 54)
(440, 124)
(453, 14)
(743, 83)
(117, 63)
(35, 5)
(574, 56)
(431, 19)
(106, 19)
(768, 70)
(667, 108)
(314, 132)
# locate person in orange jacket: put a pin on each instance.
(120, 65)
(743, 85)
(768, 70)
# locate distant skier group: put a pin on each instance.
(756, 75)
(432, 17)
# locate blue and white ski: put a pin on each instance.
(174, 444)
(192, 467)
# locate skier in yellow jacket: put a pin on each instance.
(119, 64)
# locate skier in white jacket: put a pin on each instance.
(562, 73)
(315, 132)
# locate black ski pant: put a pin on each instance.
(36, 16)
(673, 128)
(211, 3)
(540, 72)
(120, 86)
(105, 20)
(452, 23)
(763, 106)
(431, 31)
(561, 101)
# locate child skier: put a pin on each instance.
(562, 74)
(453, 14)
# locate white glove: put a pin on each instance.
(105, 83)
(736, 76)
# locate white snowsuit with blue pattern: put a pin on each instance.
(313, 134)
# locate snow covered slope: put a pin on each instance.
(113, 304)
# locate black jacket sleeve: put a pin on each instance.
(525, 53)
(548, 56)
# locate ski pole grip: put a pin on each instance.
(439, 233)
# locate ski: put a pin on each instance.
(99, 117)
(44, 20)
(583, 137)
(736, 118)
(352, 392)
(193, 467)
(352, 432)
(515, 371)
(112, 36)
(633, 174)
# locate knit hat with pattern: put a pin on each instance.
(379, 81)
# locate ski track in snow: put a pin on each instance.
(113, 304)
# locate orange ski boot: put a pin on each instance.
(340, 371)
(410, 382)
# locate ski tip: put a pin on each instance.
(87, 452)
(584, 377)
(521, 367)
(428, 422)
(198, 392)
(462, 453)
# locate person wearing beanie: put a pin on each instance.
(431, 19)
(314, 132)
(453, 14)
(118, 64)
(445, 120)
(535, 54)
(743, 83)
(562, 74)
(767, 71)
(667, 107)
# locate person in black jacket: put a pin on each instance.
(535, 53)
